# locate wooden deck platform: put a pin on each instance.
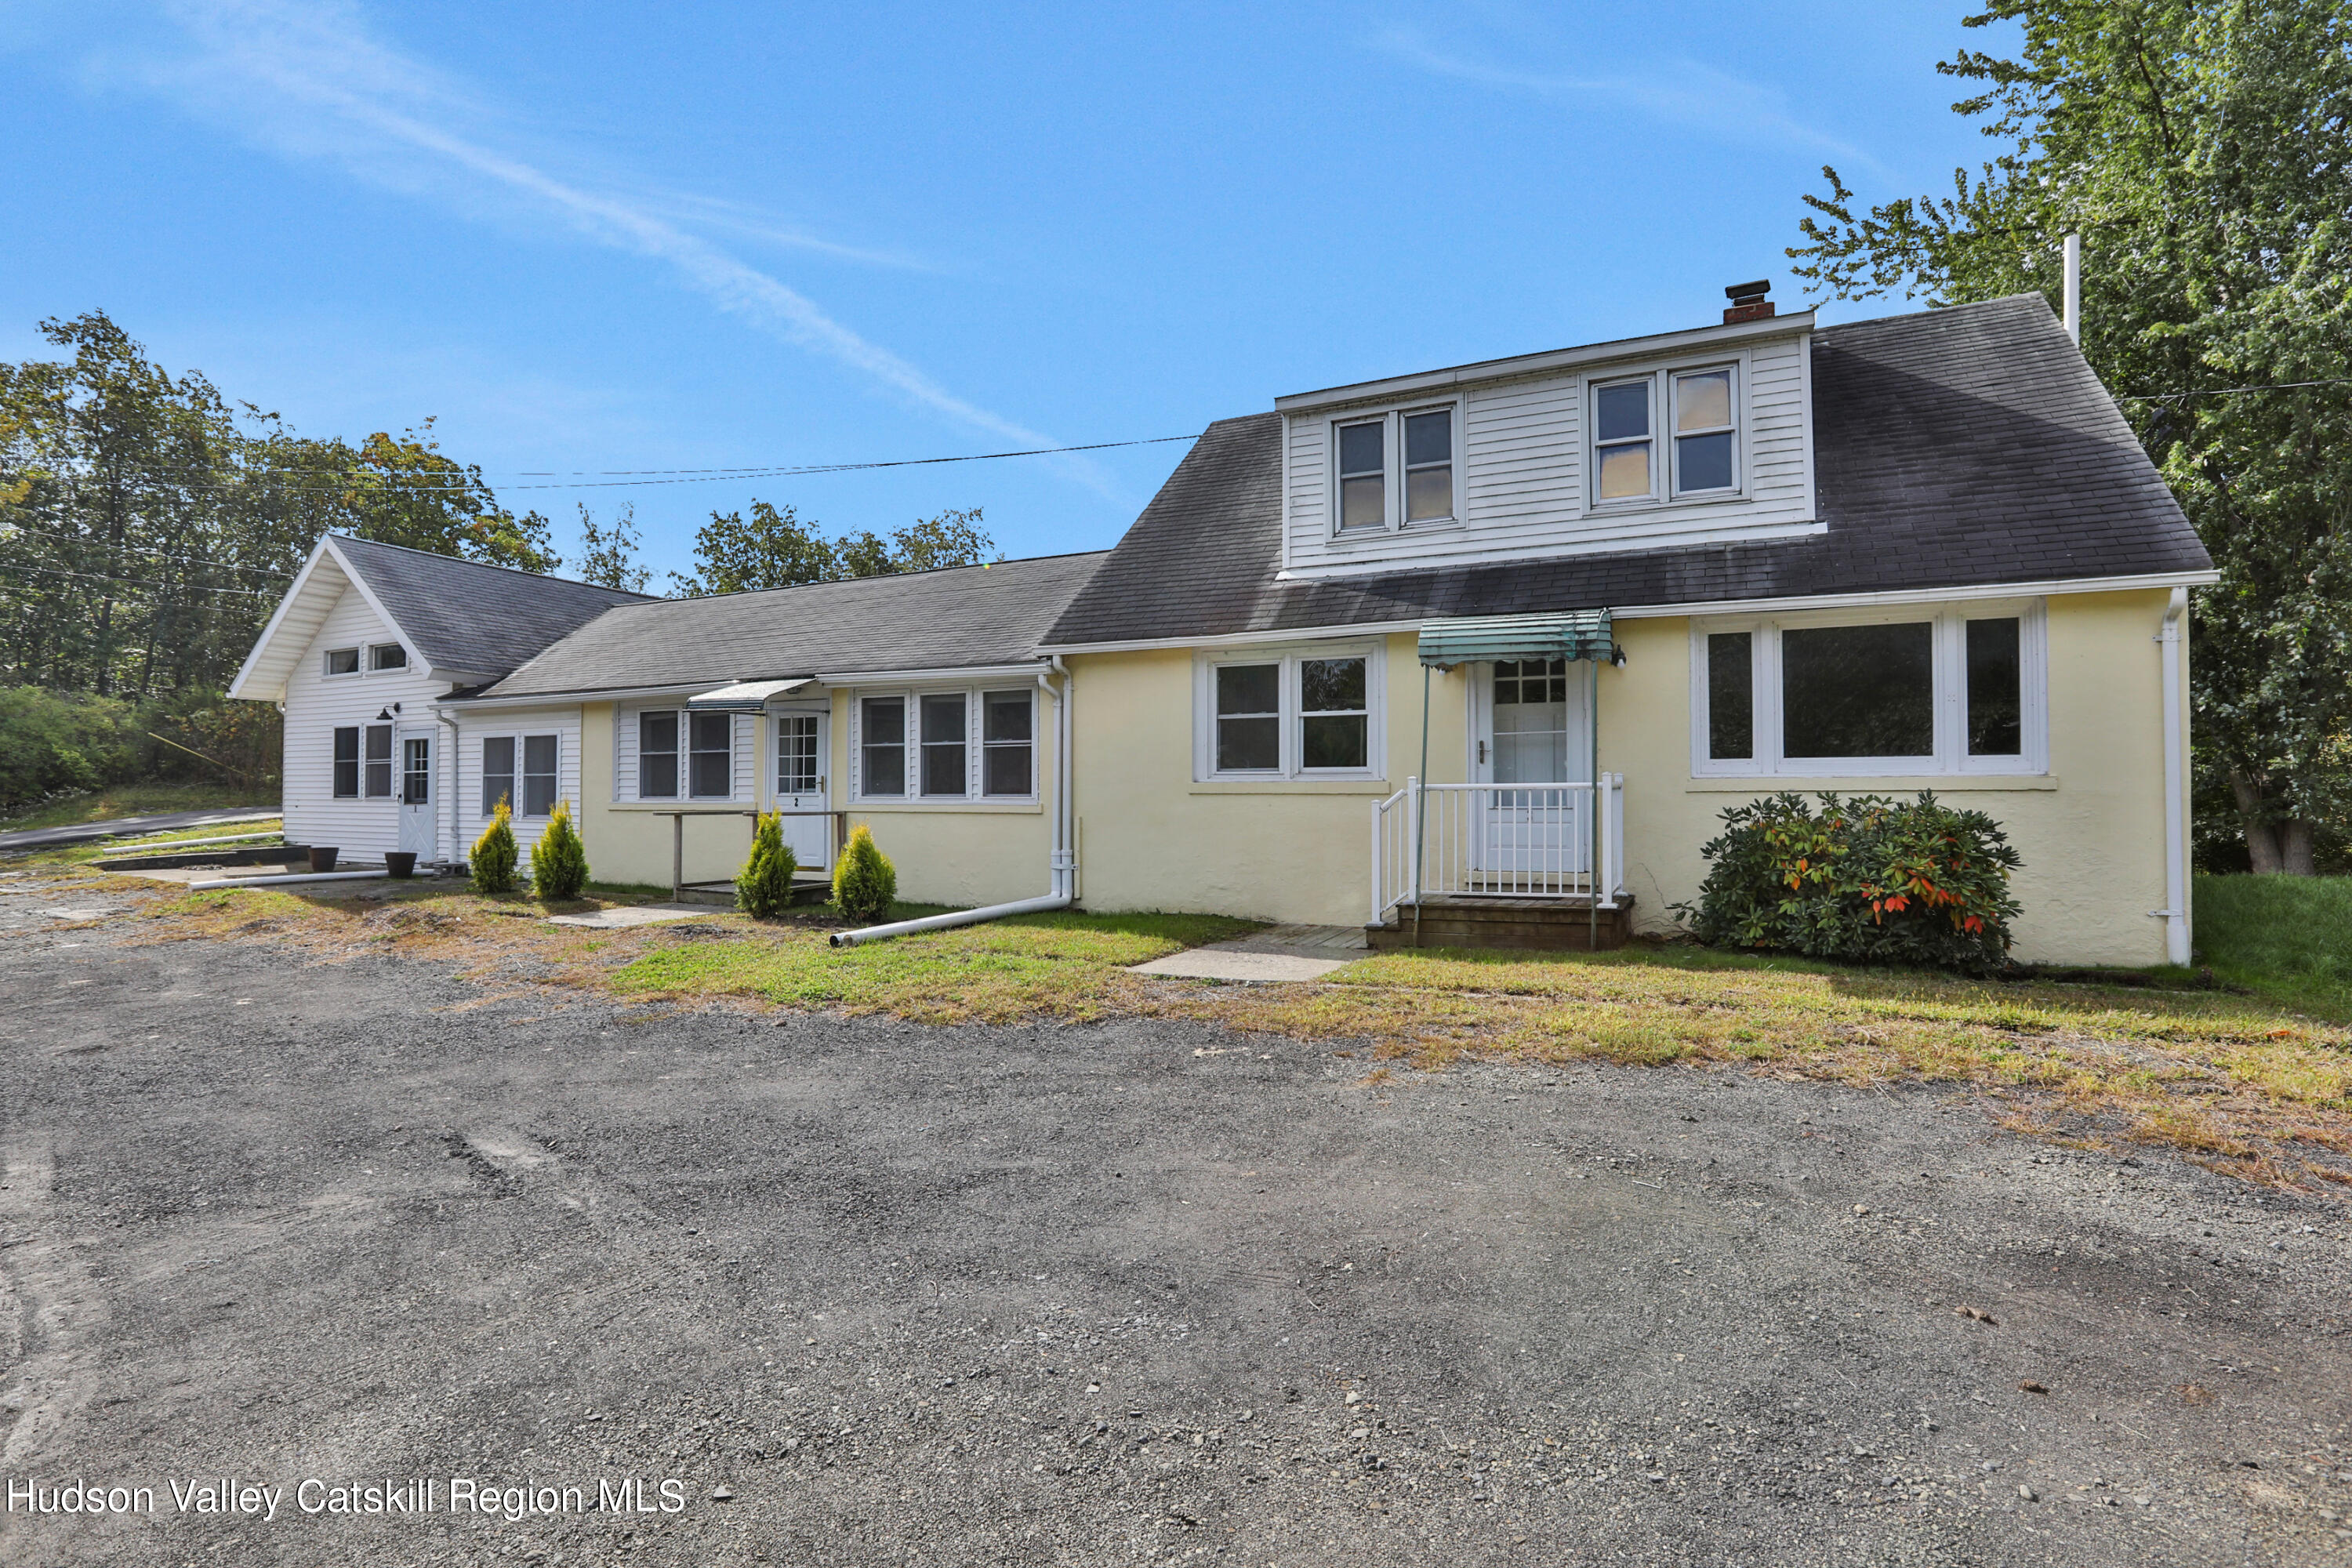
(808, 888)
(1476, 921)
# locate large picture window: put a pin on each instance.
(1303, 714)
(1932, 690)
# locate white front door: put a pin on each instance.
(412, 757)
(800, 755)
(1534, 728)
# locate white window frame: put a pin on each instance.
(981, 744)
(637, 717)
(1951, 758)
(974, 771)
(327, 670)
(515, 797)
(1664, 455)
(1392, 469)
(1292, 769)
(375, 651)
(687, 752)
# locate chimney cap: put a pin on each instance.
(1744, 293)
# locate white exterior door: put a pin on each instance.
(413, 787)
(800, 785)
(1534, 728)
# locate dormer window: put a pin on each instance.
(1621, 432)
(1701, 409)
(1373, 492)
(1703, 432)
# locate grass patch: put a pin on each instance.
(2286, 938)
(134, 800)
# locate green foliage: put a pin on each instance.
(52, 742)
(559, 861)
(865, 883)
(1868, 880)
(608, 555)
(763, 888)
(2203, 149)
(2288, 938)
(492, 862)
(776, 550)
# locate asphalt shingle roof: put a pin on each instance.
(958, 619)
(1954, 447)
(467, 616)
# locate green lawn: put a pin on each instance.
(135, 800)
(2287, 939)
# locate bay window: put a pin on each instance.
(1299, 714)
(1951, 690)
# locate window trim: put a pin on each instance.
(974, 744)
(1393, 471)
(1949, 642)
(1291, 698)
(327, 670)
(688, 750)
(677, 754)
(391, 763)
(1665, 464)
(516, 799)
(983, 745)
(375, 650)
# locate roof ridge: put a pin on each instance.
(487, 565)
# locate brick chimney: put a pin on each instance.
(1747, 302)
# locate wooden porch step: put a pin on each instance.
(1524, 923)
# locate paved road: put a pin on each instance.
(125, 828)
(879, 1293)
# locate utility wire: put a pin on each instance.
(134, 582)
(134, 549)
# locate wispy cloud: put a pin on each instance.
(312, 81)
(1677, 92)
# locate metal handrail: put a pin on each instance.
(1564, 839)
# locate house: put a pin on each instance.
(1470, 655)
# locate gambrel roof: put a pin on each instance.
(1958, 448)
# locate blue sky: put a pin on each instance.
(591, 238)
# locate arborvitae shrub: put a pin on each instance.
(559, 861)
(763, 888)
(492, 863)
(865, 883)
(1870, 879)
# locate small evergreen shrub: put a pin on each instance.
(865, 884)
(1868, 880)
(492, 863)
(559, 861)
(763, 888)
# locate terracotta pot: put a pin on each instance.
(324, 859)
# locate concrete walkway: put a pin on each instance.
(1276, 954)
(125, 828)
(620, 917)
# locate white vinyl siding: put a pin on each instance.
(317, 704)
(1523, 468)
(742, 769)
(516, 724)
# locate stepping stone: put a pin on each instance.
(621, 916)
(1224, 963)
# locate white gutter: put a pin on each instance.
(446, 850)
(280, 881)
(1064, 864)
(2175, 913)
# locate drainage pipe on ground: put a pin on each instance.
(1063, 870)
(288, 878)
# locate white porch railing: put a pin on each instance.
(1507, 841)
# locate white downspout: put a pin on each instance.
(449, 846)
(1063, 864)
(2073, 287)
(2175, 913)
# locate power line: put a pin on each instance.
(2228, 391)
(133, 581)
(134, 549)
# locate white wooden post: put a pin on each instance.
(1413, 794)
(1377, 911)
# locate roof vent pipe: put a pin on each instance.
(2075, 288)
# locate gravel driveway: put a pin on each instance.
(875, 1292)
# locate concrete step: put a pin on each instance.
(1557, 925)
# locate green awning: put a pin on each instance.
(1571, 634)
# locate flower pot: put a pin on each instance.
(400, 863)
(324, 859)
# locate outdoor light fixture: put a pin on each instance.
(384, 713)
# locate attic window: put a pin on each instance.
(387, 656)
(342, 661)
(1621, 429)
(1364, 474)
(1704, 432)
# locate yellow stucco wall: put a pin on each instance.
(974, 854)
(2090, 832)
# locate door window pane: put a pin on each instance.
(657, 756)
(498, 773)
(1428, 465)
(1996, 679)
(379, 761)
(537, 775)
(1530, 722)
(711, 765)
(1730, 696)
(883, 723)
(1249, 718)
(347, 763)
(1333, 716)
(1004, 731)
(415, 772)
(1363, 475)
(943, 758)
(796, 754)
(1858, 691)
